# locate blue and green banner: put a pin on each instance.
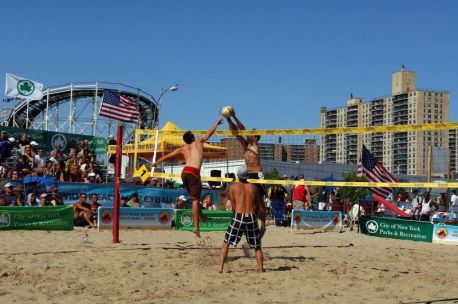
(217, 220)
(36, 218)
(156, 218)
(396, 228)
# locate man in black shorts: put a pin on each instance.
(246, 204)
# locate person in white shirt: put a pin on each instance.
(427, 207)
(416, 200)
(453, 202)
(39, 159)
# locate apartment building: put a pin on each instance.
(400, 152)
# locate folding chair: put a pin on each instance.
(278, 213)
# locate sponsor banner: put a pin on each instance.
(36, 218)
(218, 220)
(157, 218)
(302, 219)
(396, 228)
(445, 234)
(149, 197)
(47, 140)
(444, 217)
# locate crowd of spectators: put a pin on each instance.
(23, 157)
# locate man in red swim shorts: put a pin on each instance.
(192, 153)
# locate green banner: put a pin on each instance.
(218, 220)
(47, 140)
(397, 229)
(36, 218)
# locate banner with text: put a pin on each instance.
(158, 218)
(301, 219)
(36, 218)
(149, 197)
(445, 234)
(396, 228)
(218, 220)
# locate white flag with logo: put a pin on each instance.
(23, 88)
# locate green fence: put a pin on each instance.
(36, 218)
(217, 220)
(397, 229)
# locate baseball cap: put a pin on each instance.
(92, 174)
(33, 143)
(284, 175)
(43, 195)
(8, 185)
(182, 198)
(53, 189)
(11, 139)
(242, 172)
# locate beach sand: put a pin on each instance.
(151, 266)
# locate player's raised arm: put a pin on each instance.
(171, 155)
(211, 130)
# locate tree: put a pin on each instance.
(272, 174)
(351, 195)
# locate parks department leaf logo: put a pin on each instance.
(186, 219)
(59, 139)
(5, 219)
(372, 226)
(25, 87)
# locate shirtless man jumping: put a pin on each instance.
(246, 203)
(250, 146)
(192, 153)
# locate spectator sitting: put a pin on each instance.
(5, 149)
(44, 200)
(94, 209)
(90, 178)
(207, 202)
(29, 156)
(124, 200)
(23, 141)
(22, 166)
(39, 158)
(74, 174)
(32, 200)
(34, 146)
(14, 175)
(9, 197)
(180, 202)
(57, 153)
(134, 201)
(54, 197)
(81, 211)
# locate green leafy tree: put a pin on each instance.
(350, 195)
(272, 174)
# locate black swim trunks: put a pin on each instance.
(243, 223)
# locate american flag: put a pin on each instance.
(119, 107)
(375, 172)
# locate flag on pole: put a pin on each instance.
(119, 107)
(23, 88)
(375, 172)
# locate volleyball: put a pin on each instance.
(227, 111)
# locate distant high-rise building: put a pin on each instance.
(400, 152)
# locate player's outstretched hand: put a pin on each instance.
(220, 121)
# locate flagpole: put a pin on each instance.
(117, 188)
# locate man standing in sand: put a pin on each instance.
(193, 154)
(250, 146)
(246, 203)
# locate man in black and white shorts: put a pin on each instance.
(246, 203)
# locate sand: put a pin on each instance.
(176, 267)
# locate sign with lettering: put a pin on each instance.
(396, 228)
(157, 218)
(445, 234)
(217, 220)
(325, 220)
(36, 218)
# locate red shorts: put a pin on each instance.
(192, 182)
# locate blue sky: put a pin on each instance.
(277, 62)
